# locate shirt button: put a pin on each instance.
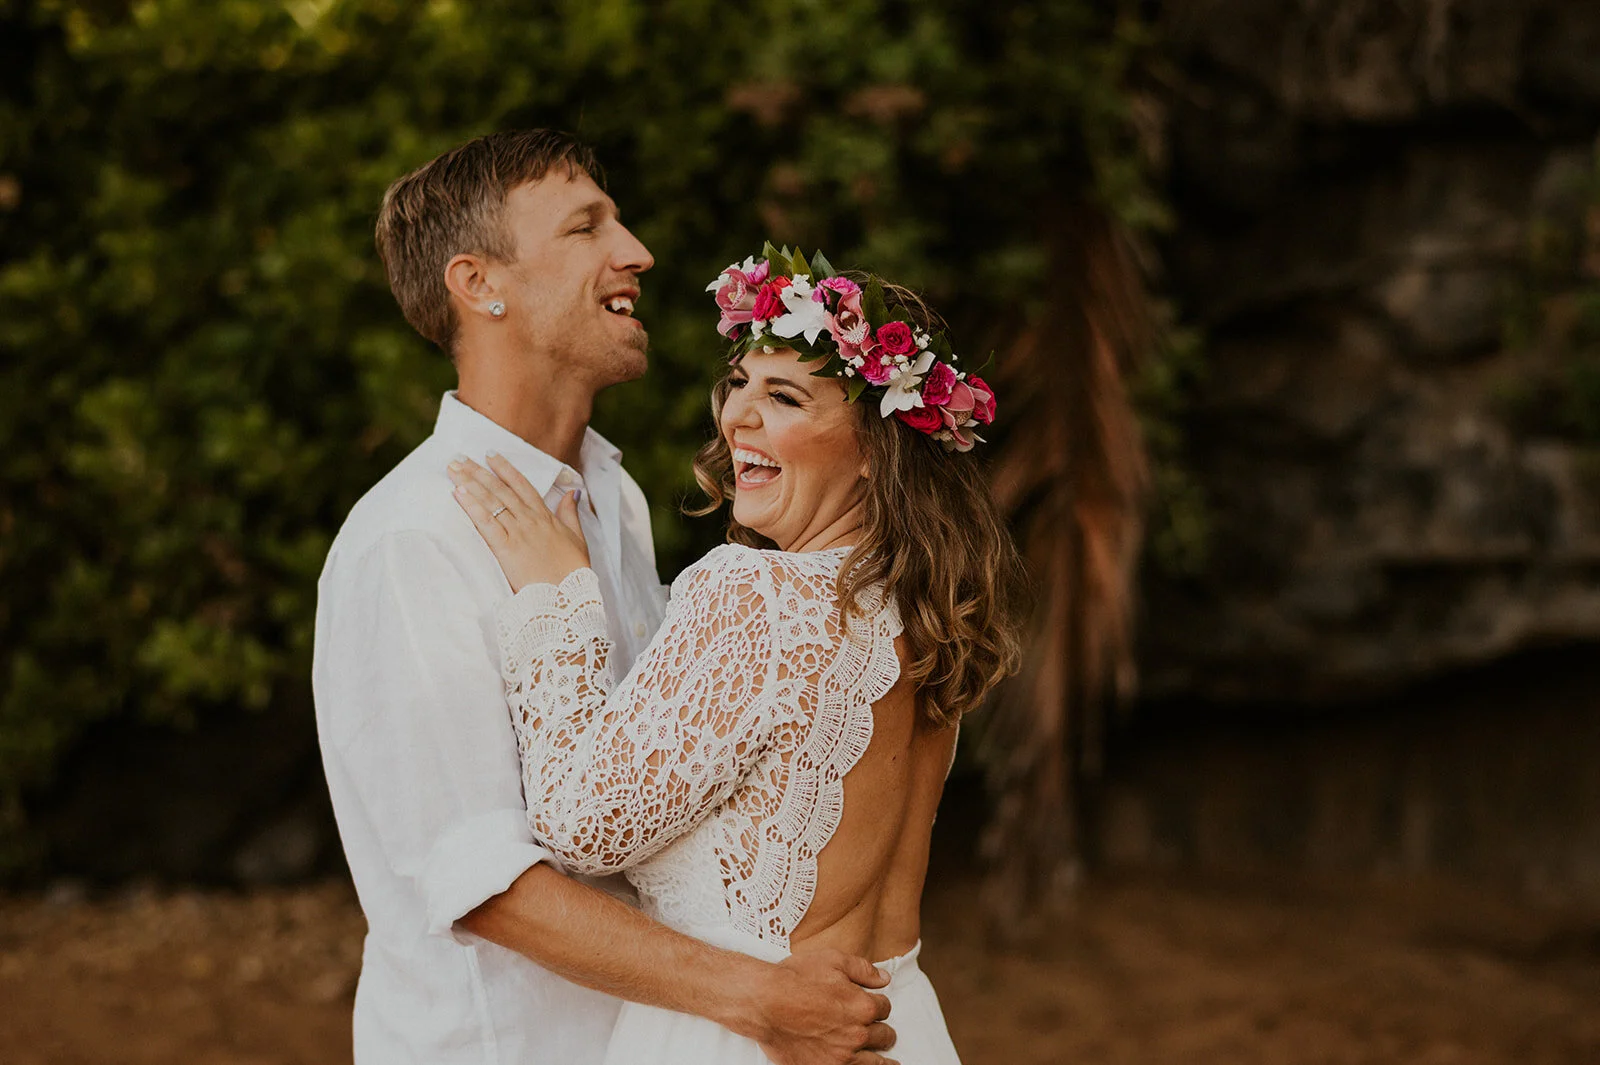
(638, 629)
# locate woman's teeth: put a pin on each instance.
(756, 468)
(753, 458)
(620, 305)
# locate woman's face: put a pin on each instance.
(799, 473)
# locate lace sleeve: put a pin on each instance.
(611, 776)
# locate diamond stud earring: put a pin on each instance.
(497, 309)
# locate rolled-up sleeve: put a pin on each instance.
(474, 860)
(415, 730)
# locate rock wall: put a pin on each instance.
(1485, 777)
(1358, 184)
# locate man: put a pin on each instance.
(507, 254)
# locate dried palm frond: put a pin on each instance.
(1072, 476)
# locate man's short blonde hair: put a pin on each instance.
(455, 205)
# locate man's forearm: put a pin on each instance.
(591, 938)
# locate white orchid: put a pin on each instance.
(806, 315)
(747, 267)
(904, 389)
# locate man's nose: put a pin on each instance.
(632, 255)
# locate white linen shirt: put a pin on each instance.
(421, 756)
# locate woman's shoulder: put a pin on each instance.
(799, 585)
(770, 567)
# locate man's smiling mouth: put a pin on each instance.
(619, 304)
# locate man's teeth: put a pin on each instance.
(619, 305)
(752, 458)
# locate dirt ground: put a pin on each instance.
(1143, 971)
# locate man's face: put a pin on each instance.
(575, 279)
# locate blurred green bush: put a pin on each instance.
(201, 367)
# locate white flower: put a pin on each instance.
(920, 337)
(747, 266)
(806, 315)
(904, 391)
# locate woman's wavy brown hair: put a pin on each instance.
(932, 536)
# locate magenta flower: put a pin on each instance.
(922, 419)
(936, 388)
(878, 367)
(769, 301)
(896, 338)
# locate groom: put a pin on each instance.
(508, 255)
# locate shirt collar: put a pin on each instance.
(476, 435)
(597, 452)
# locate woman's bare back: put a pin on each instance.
(870, 875)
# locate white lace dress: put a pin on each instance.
(713, 773)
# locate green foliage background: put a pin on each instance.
(201, 367)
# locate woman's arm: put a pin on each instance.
(613, 772)
(610, 776)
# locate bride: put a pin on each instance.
(767, 775)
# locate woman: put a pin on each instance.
(767, 776)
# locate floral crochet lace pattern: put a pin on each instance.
(733, 733)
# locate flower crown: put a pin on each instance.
(784, 301)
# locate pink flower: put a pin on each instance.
(958, 420)
(841, 285)
(878, 367)
(936, 389)
(759, 274)
(962, 439)
(896, 338)
(769, 301)
(960, 404)
(922, 419)
(737, 296)
(983, 400)
(849, 328)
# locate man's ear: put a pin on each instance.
(467, 278)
